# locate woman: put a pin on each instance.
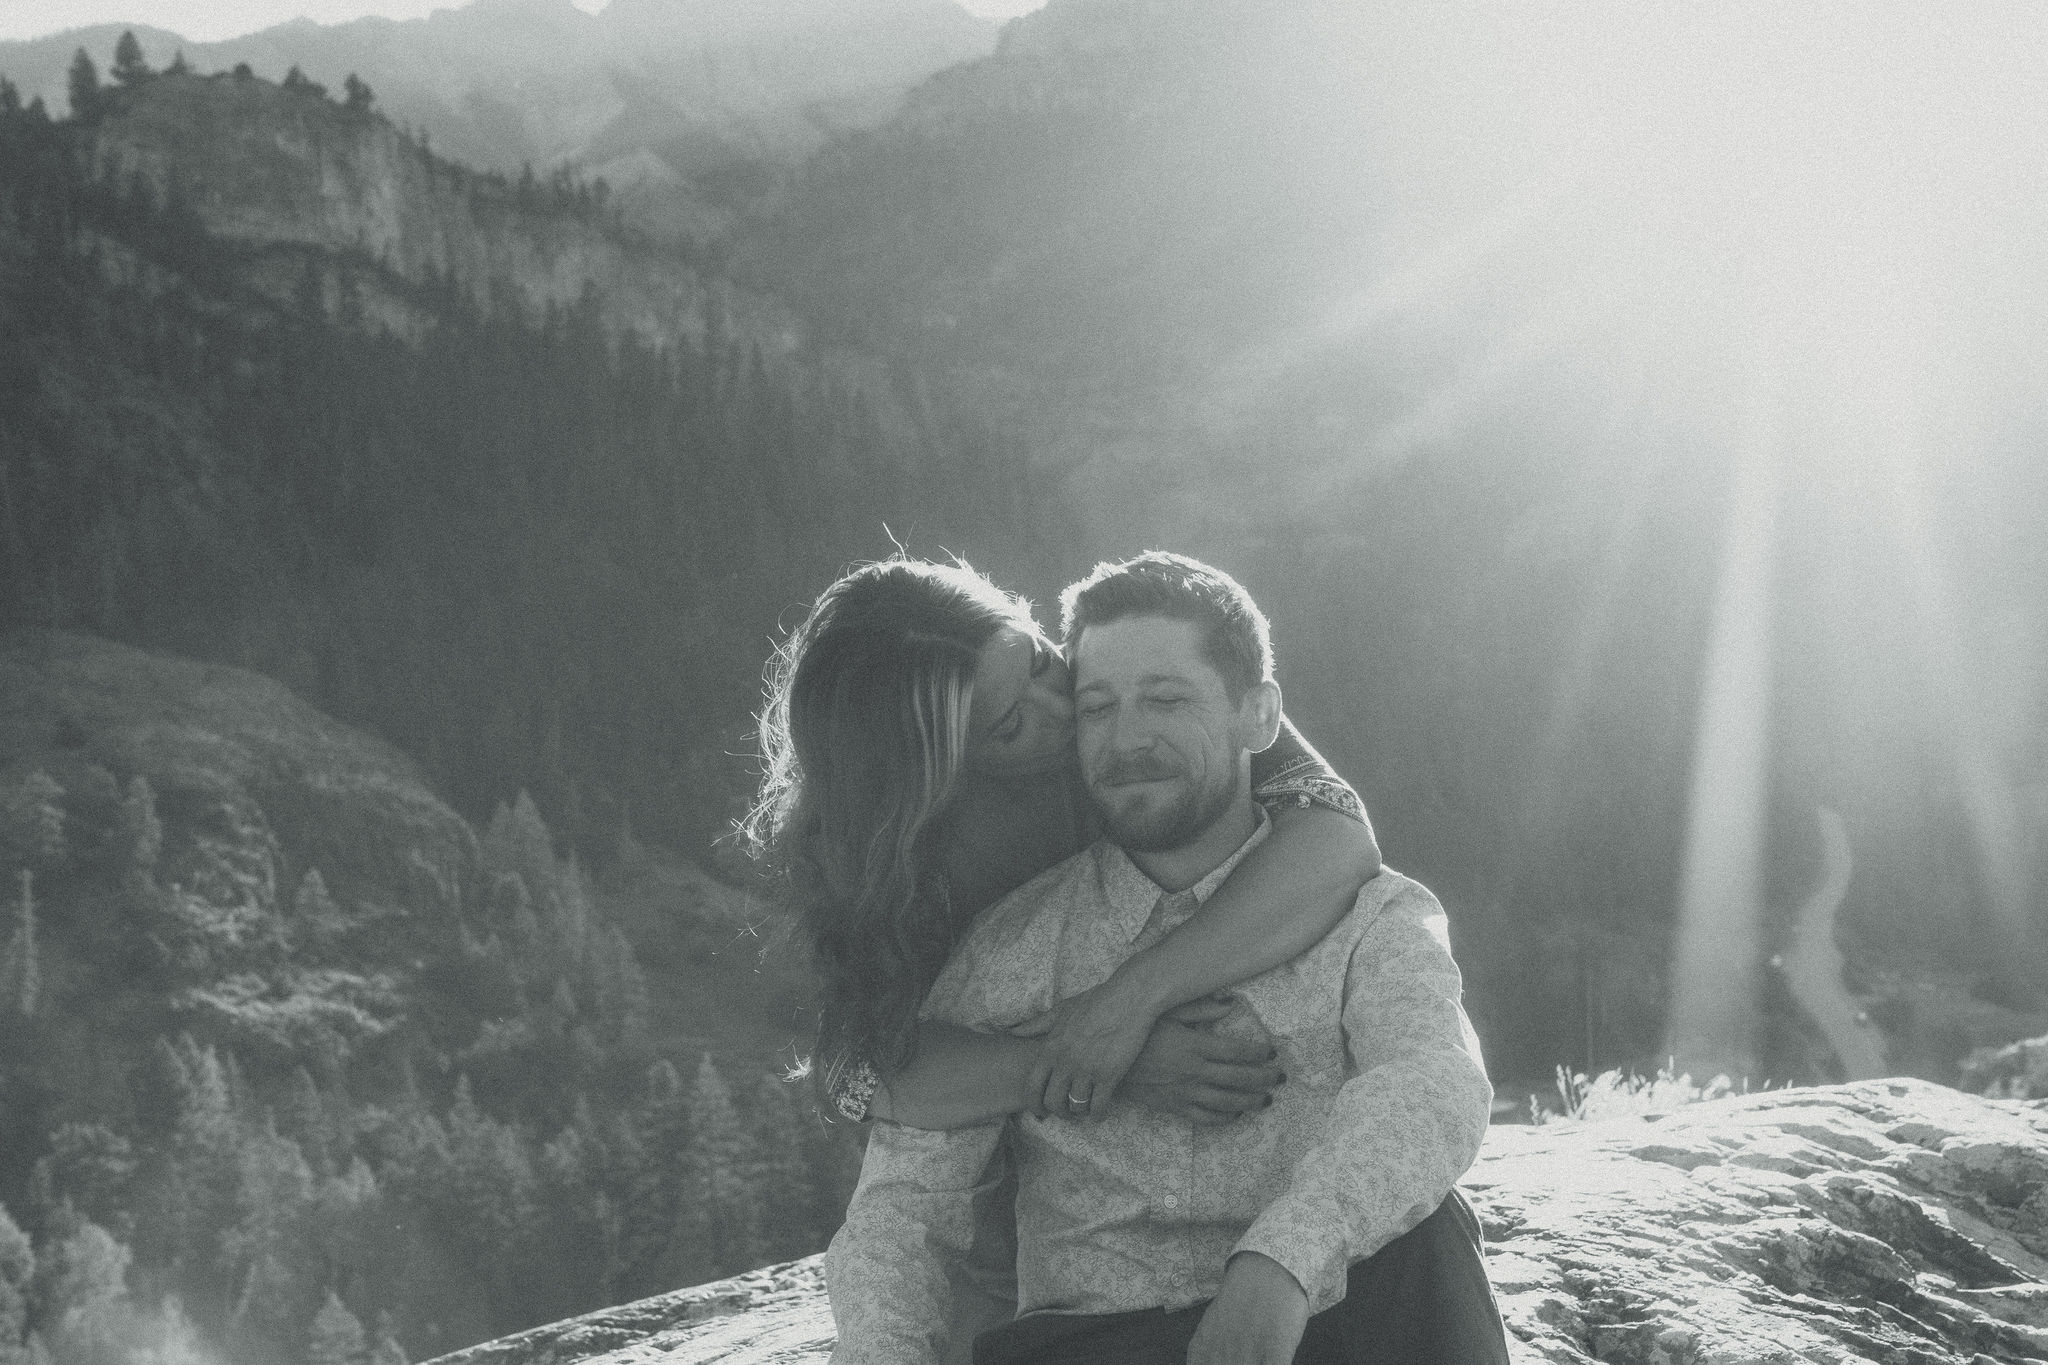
(920, 764)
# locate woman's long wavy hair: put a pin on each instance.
(863, 739)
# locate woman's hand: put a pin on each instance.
(1187, 1069)
(1089, 1042)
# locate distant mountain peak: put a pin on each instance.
(707, 19)
(557, 13)
(693, 107)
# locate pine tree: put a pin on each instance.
(487, 1192)
(618, 993)
(653, 1183)
(21, 978)
(83, 81)
(298, 82)
(141, 837)
(83, 1292)
(303, 1118)
(129, 68)
(89, 1167)
(357, 95)
(315, 921)
(273, 1202)
(572, 1269)
(574, 914)
(348, 1223)
(337, 1335)
(782, 1173)
(33, 815)
(518, 842)
(201, 1168)
(173, 1339)
(260, 1325)
(160, 1091)
(717, 1227)
(387, 1351)
(17, 1274)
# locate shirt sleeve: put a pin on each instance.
(1291, 773)
(1406, 1124)
(909, 1229)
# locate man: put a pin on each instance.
(1323, 1228)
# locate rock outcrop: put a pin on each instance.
(287, 175)
(1888, 1222)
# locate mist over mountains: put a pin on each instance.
(689, 108)
(1455, 336)
(1361, 311)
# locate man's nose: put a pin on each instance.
(1128, 732)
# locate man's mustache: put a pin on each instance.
(1135, 770)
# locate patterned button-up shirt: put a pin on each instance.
(1289, 773)
(1384, 1106)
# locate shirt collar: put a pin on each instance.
(1131, 895)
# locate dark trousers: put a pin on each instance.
(1422, 1299)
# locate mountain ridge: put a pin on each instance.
(272, 167)
(747, 90)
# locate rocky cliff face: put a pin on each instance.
(1889, 1221)
(285, 172)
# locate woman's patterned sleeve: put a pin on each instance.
(1292, 773)
(853, 1089)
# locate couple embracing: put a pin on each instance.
(1162, 1065)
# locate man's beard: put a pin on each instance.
(1148, 827)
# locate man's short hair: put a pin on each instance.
(1236, 639)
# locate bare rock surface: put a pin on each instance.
(765, 1317)
(1888, 1222)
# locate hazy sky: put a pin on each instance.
(209, 20)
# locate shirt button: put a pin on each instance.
(1172, 1201)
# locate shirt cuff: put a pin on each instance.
(1314, 1256)
(853, 1090)
(1314, 787)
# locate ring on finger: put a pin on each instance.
(1080, 1101)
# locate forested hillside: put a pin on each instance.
(690, 110)
(304, 1075)
(473, 468)
(536, 553)
(290, 1057)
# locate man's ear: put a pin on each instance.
(1259, 713)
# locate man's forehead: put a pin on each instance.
(1141, 648)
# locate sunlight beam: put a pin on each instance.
(1711, 1022)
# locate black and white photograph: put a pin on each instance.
(1023, 682)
